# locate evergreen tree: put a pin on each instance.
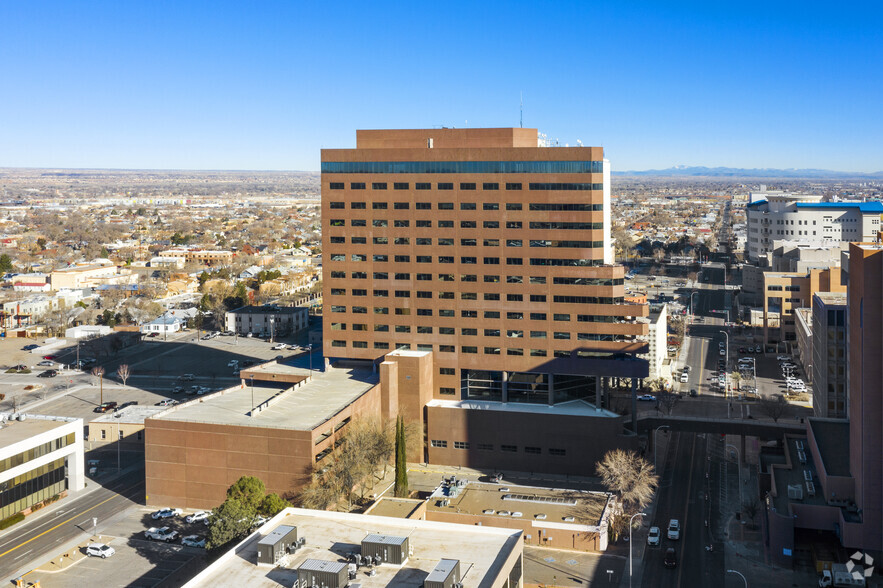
(401, 483)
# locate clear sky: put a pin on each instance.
(265, 85)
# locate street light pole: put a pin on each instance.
(656, 445)
(727, 367)
(740, 575)
(739, 466)
(630, 544)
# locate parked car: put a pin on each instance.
(46, 363)
(278, 346)
(99, 550)
(167, 402)
(165, 513)
(783, 357)
(188, 377)
(647, 397)
(30, 347)
(193, 541)
(233, 363)
(654, 536)
(671, 558)
(197, 516)
(674, 529)
(160, 534)
(685, 377)
(48, 374)
(105, 407)
(693, 392)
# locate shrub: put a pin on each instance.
(8, 522)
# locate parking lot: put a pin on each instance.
(156, 366)
(137, 561)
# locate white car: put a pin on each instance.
(783, 358)
(167, 402)
(233, 363)
(723, 351)
(99, 550)
(278, 346)
(166, 513)
(197, 516)
(674, 529)
(654, 536)
(193, 541)
(647, 397)
(684, 378)
(46, 363)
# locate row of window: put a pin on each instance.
(464, 224)
(468, 349)
(35, 452)
(537, 261)
(511, 206)
(488, 314)
(23, 486)
(581, 186)
(462, 167)
(470, 242)
(491, 296)
(472, 332)
(488, 279)
(443, 444)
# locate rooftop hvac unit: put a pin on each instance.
(795, 492)
(802, 457)
(799, 445)
(445, 575)
(318, 572)
(810, 488)
(281, 540)
(807, 475)
(388, 548)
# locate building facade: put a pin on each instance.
(40, 457)
(829, 361)
(481, 247)
(805, 219)
(785, 291)
(657, 338)
(268, 321)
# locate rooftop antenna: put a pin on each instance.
(521, 115)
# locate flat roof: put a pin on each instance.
(832, 298)
(395, 507)
(794, 476)
(334, 536)
(130, 415)
(269, 309)
(14, 431)
(303, 408)
(571, 408)
(832, 439)
(541, 505)
(271, 367)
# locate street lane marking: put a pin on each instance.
(66, 521)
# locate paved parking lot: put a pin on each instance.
(155, 365)
(137, 562)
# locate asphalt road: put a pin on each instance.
(34, 542)
(682, 495)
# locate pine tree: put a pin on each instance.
(401, 485)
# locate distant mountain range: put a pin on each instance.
(741, 172)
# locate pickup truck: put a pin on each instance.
(160, 534)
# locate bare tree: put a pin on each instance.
(775, 406)
(124, 372)
(632, 479)
(751, 507)
(667, 400)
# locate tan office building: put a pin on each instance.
(785, 291)
(483, 248)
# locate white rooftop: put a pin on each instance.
(332, 536)
(571, 408)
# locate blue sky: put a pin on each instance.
(265, 85)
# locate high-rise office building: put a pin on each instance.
(482, 247)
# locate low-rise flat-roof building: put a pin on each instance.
(125, 426)
(40, 457)
(489, 557)
(268, 320)
(548, 517)
(828, 361)
(276, 431)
